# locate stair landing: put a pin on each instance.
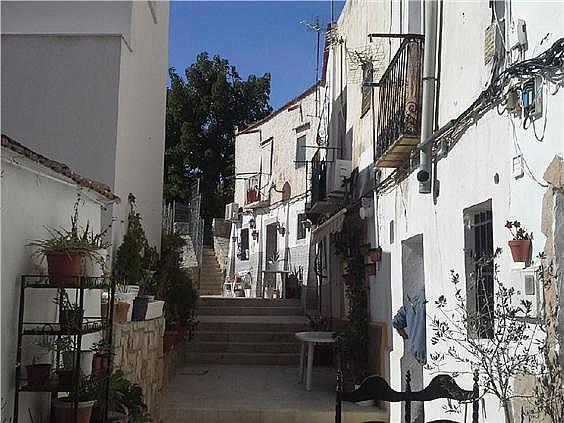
(256, 394)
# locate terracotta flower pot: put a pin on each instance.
(64, 411)
(520, 249)
(169, 340)
(120, 311)
(100, 364)
(64, 268)
(38, 374)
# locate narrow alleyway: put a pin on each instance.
(211, 277)
(242, 367)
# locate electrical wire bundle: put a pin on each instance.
(549, 65)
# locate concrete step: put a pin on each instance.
(247, 302)
(242, 347)
(249, 311)
(251, 327)
(243, 358)
(244, 336)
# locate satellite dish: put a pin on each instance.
(286, 191)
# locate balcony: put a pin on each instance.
(399, 116)
(327, 187)
(254, 198)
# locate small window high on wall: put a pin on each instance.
(479, 245)
(244, 253)
(367, 75)
(301, 151)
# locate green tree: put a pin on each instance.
(204, 109)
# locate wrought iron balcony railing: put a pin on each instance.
(399, 115)
(318, 178)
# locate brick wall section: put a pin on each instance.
(138, 349)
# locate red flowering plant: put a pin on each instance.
(517, 231)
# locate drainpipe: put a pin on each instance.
(428, 100)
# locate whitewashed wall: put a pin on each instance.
(29, 203)
(113, 54)
(467, 174)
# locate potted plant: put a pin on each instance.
(134, 258)
(101, 359)
(120, 309)
(274, 262)
(126, 398)
(85, 397)
(176, 289)
(65, 250)
(70, 313)
(38, 373)
(521, 244)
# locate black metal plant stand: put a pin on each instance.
(86, 325)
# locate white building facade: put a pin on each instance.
(269, 231)
(85, 83)
(37, 192)
(498, 165)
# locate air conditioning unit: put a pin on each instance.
(341, 169)
(232, 212)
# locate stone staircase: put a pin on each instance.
(246, 331)
(211, 276)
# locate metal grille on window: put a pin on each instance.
(483, 248)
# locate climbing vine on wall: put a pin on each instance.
(353, 339)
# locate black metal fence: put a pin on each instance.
(185, 219)
(400, 95)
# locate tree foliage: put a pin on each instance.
(204, 109)
(510, 351)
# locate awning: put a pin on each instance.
(330, 226)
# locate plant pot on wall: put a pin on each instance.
(139, 308)
(520, 249)
(120, 311)
(63, 268)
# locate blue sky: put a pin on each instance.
(255, 36)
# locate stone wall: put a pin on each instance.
(221, 236)
(138, 349)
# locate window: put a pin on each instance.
(301, 226)
(478, 245)
(367, 74)
(244, 253)
(301, 151)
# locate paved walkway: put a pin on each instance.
(216, 393)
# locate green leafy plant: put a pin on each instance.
(102, 347)
(125, 396)
(76, 240)
(352, 340)
(174, 283)
(128, 264)
(517, 231)
(548, 393)
(318, 323)
(508, 351)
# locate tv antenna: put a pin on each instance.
(315, 26)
